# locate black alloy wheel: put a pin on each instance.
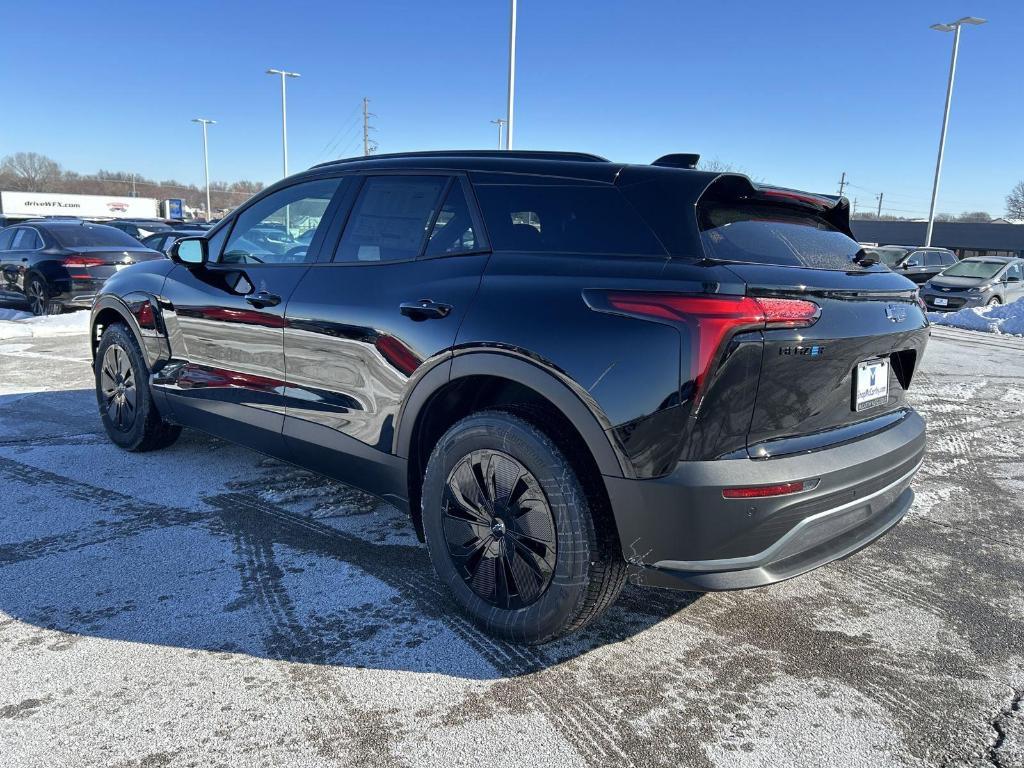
(117, 386)
(35, 292)
(499, 529)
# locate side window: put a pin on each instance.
(567, 219)
(280, 228)
(1014, 272)
(453, 230)
(948, 259)
(933, 259)
(25, 240)
(6, 238)
(389, 221)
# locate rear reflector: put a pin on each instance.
(715, 318)
(77, 260)
(762, 491)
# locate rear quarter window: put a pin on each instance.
(774, 234)
(564, 219)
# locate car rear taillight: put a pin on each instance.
(715, 318)
(78, 260)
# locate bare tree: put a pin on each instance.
(1015, 202)
(718, 166)
(978, 217)
(30, 172)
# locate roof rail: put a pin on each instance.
(522, 154)
(678, 160)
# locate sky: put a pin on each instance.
(791, 93)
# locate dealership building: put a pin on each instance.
(964, 239)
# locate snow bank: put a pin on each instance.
(22, 325)
(1006, 319)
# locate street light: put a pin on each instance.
(206, 162)
(511, 76)
(284, 112)
(499, 122)
(954, 27)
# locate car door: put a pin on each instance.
(226, 319)
(1014, 277)
(22, 256)
(379, 309)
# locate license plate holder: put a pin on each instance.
(941, 302)
(871, 384)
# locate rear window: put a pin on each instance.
(566, 219)
(86, 235)
(771, 234)
(972, 268)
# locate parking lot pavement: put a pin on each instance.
(205, 605)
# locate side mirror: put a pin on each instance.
(190, 251)
(910, 263)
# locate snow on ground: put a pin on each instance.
(1005, 319)
(15, 324)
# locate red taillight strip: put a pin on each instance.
(764, 491)
(77, 260)
(716, 317)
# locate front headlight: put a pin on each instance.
(982, 289)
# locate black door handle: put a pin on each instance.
(424, 309)
(262, 299)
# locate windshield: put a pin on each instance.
(86, 235)
(972, 268)
(773, 234)
(889, 256)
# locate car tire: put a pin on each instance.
(994, 301)
(123, 396)
(510, 532)
(37, 295)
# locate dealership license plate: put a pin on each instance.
(872, 384)
(941, 302)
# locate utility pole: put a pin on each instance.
(206, 162)
(369, 145)
(853, 208)
(842, 183)
(880, 195)
(499, 122)
(511, 78)
(284, 112)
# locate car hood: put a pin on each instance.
(941, 281)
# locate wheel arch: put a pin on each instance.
(475, 381)
(145, 324)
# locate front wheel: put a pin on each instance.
(123, 396)
(994, 301)
(510, 532)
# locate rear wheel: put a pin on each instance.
(510, 532)
(123, 396)
(37, 295)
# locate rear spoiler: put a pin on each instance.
(833, 208)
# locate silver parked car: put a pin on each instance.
(976, 282)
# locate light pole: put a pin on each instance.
(511, 77)
(206, 162)
(499, 122)
(284, 112)
(954, 27)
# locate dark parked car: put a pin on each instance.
(162, 241)
(139, 228)
(976, 282)
(59, 264)
(565, 369)
(918, 264)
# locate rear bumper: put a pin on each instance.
(678, 531)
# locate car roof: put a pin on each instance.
(1004, 259)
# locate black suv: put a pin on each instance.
(567, 370)
(917, 264)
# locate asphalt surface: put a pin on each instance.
(204, 605)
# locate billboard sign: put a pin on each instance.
(86, 206)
